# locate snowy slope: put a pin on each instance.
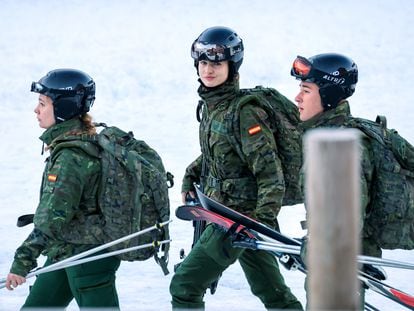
(138, 54)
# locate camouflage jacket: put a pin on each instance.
(337, 118)
(68, 201)
(255, 186)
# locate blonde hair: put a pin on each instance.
(88, 126)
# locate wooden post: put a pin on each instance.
(333, 203)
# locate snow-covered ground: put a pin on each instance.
(138, 54)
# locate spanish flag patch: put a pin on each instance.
(254, 129)
(52, 177)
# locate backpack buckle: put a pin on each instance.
(214, 183)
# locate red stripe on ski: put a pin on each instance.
(242, 219)
(198, 213)
(407, 299)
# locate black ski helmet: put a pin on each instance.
(72, 92)
(335, 74)
(219, 44)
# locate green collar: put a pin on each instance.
(330, 118)
(221, 95)
(59, 129)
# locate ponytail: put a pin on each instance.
(88, 125)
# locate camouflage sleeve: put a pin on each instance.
(26, 255)
(61, 193)
(260, 149)
(192, 175)
(67, 181)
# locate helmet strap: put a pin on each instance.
(331, 95)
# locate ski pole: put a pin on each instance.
(89, 259)
(370, 307)
(101, 247)
(385, 262)
(372, 283)
(267, 246)
(273, 245)
(387, 291)
(154, 244)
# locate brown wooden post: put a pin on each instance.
(333, 205)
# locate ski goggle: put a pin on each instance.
(304, 70)
(301, 68)
(214, 52)
(38, 87)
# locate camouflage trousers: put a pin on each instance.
(92, 285)
(213, 254)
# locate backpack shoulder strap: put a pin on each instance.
(85, 142)
(261, 97)
(381, 120)
(232, 121)
(374, 130)
(277, 105)
(389, 139)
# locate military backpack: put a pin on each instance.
(284, 117)
(133, 192)
(132, 195)
(390, 216)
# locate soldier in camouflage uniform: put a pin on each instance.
(67, 219)
(254, 187)
(326, 81)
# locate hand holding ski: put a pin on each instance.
(280, 244)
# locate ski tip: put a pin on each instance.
(186, 212)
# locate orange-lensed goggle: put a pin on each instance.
(301, 68)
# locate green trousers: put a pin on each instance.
(92, 285)
(211, 255)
